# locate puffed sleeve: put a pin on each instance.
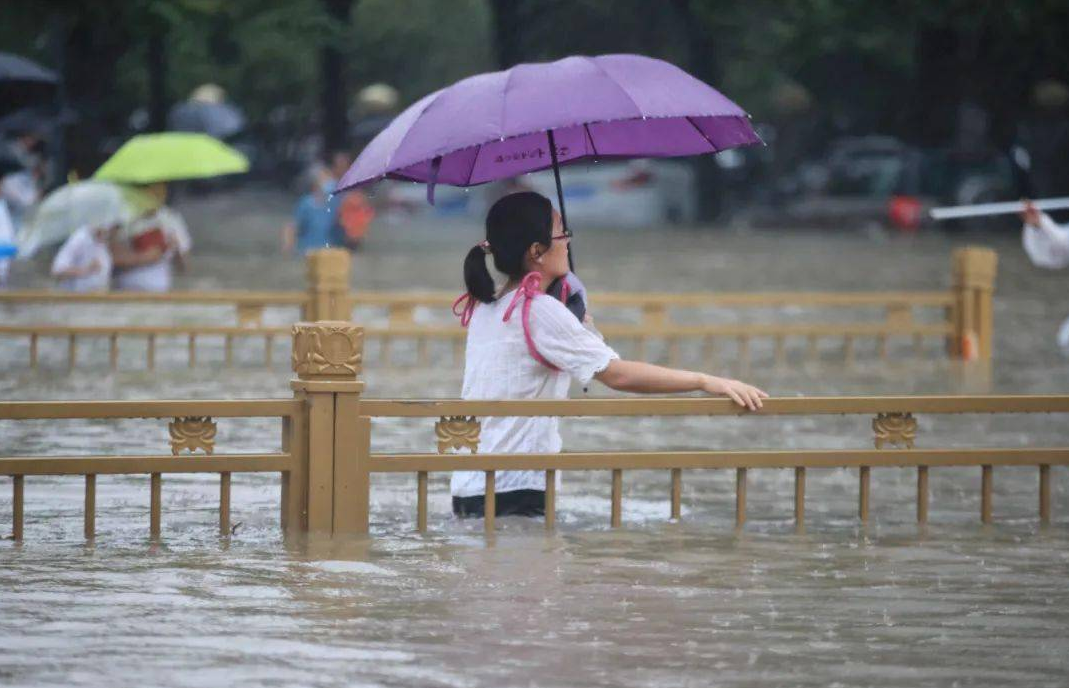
(563, 341)
(1048, 244)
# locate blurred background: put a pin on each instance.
(871, 112)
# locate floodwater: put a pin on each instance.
(655, 603)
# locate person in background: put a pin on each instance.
(313, 224)
(353, 211)
(8, 166)
(21, 188)
(1047, 245)
(84, 262)
(340, 162)
(160, 241)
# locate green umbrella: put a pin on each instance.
(150, 158)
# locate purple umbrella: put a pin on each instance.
(499, 125)
(536, 116)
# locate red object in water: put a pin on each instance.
(149, 240)
(905, 213)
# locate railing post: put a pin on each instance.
(328, 285)
(974, 270)
(327, 358)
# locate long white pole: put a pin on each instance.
(981, 209)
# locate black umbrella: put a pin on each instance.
(220, 120)
(38, 118)
(24, 83)
(16, 68)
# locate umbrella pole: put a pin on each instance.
(560, 192)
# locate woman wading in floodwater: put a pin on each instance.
(524, 344)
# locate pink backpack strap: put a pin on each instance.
(530, 287)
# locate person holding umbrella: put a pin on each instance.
(500, 125)
(525, 344)
(159, 242)
(83, 263)
(150, 161)
(1047, 245)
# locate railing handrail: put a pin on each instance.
(145, 464)
(689, 299)
(698, 406)
(771, 458)
(445, 298)
(219, 408)
(143, 330)
(759, 329)
(236, 296)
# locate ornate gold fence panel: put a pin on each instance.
(326, 460)
(190, 438)
(893, 437)
(685, 326)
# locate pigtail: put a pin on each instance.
(477, 276)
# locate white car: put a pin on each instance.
(637, 193)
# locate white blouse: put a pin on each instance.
(498, 365)
(1048, 244)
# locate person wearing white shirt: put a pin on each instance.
(7, 236)
(151, 268)
(83, 263)
(525, 344)
(1047, 245)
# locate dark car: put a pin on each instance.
(880, 181)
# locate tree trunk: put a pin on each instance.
(703, 63)
(334, 97)
(507, 33)
(158, 101)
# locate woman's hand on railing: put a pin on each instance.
(741, 393)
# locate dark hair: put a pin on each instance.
(514, 223)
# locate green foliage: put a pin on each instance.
(859, 61)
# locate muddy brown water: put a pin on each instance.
(653, 604)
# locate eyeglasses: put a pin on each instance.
(566, 234)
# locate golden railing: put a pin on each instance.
(707, 338)
(192, 428)
(893, 422)
(326, 458)
(961, 317)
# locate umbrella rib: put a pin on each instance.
(430, 101)
(617, 84)
(704, 136)
(475, 161)
(590, 137)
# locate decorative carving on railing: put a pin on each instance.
(327, 349)
(896, 429)
(457, 432)
(192, 433)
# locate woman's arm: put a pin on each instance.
(76, 272)
(646, 378)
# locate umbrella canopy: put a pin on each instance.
(498, 125)
(16, 68)
(150, 158)
(220, 120)
(24, 82)
(37, 118)
(91, 203)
